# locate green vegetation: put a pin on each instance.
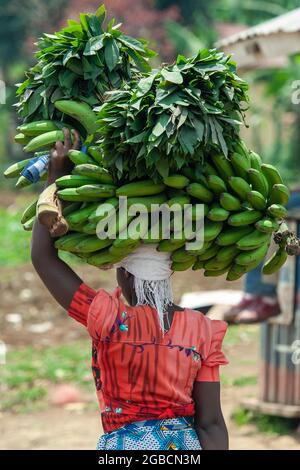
(29, 372)
(273, 425)
(14, 241)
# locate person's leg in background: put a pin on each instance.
(260, 292)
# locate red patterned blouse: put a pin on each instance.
(139, 373)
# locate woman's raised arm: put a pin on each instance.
(61, 281)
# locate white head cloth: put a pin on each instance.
(152, 271)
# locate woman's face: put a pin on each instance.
(125, 281)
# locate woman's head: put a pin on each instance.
(144, 277)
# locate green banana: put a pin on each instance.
(71, 194)
(220, 272)
(201, 251)
(229, 202)
(275, 262)
(209, 169)
(277, 211)
(248, 257)
(184, 265)
(176, 181)
(82, 214)
(97, 190)
(236, 272)
(89, 228)
(104, 210)
(92, 244)
(253, 240)
(198, 265)
(256, 160)
(257, 200)
(272, 174)
(223, 166)
(258, 181)
(102, 258)
(181, 255)
(218, 214)
(79, 111)
(267, 225)
(23, 182)
(215, 265)
(216, 184)
(73, 181)
(193, 215)
(70, 208)
(44, 141)
(241, 148)
(168, 246)
(29, 212)
(96, 153)
(199, 191)
(93, 172)
(211, 252)
(14, 170)
(149, 202)
(232, 235)
(227, 253)
(35, 128)
(21, 139)
(179, 201)
(141, 188)
(28, 226)
(123, 251)
(246, 217)
(239, 186)
(212, 230)
(125, 244)
(69, 242)
(80, 158)
(279, 194)
(241, 164)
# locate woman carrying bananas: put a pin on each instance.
(155, 365)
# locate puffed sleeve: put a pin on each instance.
(214, 357)
(103, 314)
(80, 304)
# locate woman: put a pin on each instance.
(156, 365)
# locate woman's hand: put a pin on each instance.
(60, 164)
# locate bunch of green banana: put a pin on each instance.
(243, 204)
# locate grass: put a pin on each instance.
(244, 381)
(28, 373)
(272, 425)
(14, 241)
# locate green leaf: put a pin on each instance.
(101, 13)
(139, 60)
(132, 43)
(162, 167)
(145, 85)
(172, 76)
(112, 53)
(160, 126)
(35, 100)
(93, 45)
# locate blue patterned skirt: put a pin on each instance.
(166, 434)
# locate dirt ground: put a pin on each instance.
(78, 427)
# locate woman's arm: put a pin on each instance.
(57, 276)
(209, 421)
